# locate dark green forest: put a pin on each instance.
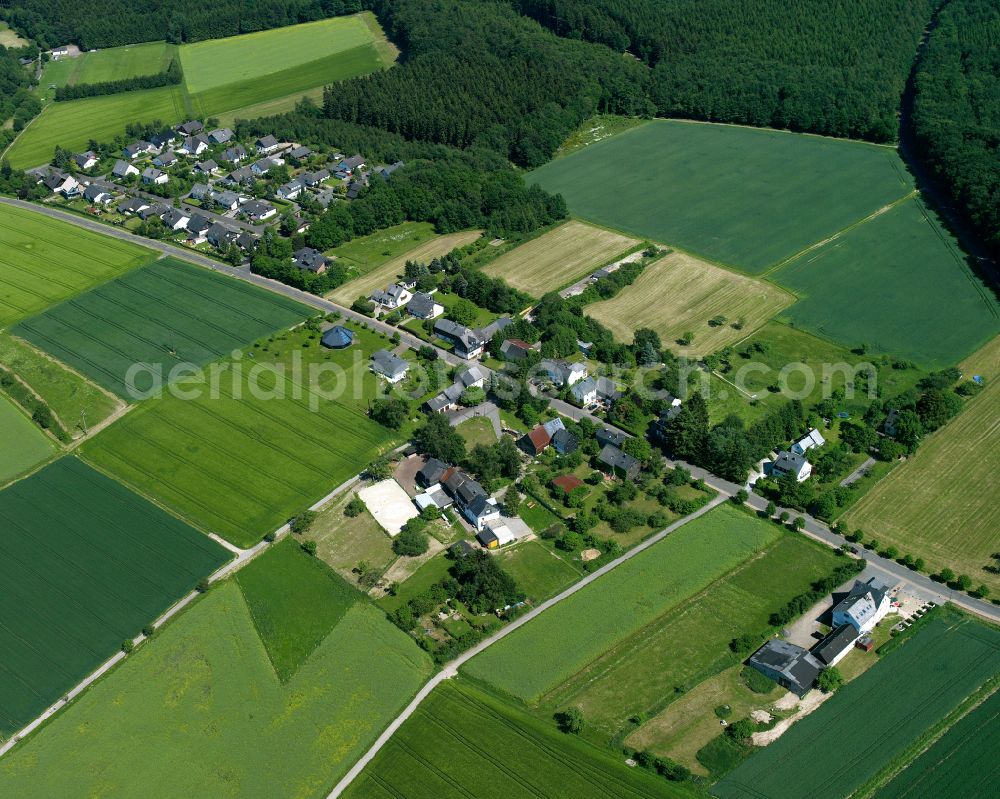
(836, 67)
(956, 112)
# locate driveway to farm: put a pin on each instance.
(450, 669)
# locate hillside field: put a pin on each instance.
(117, 63)
(391, 270)
(962, 762)
(202, 693)
(242, 459)
(365, 253)
(84, 564)
(744, 197)
(460, 739)
(899, 284)
(44, 261)
(24, 444)
(554, 647)
(70, 396)
(942, 504)
(691, 641)
(829, 754)
(559, 257)
(168, 313)
(231, 77)
(680, 294)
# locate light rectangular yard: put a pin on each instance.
(552, 648)
(44, 261)
(24, 443)
(559, 257)
(168, 313)
(943, 504)
(829, 754)
(84, 564)
(740, 196)
(240, 461)
(392, 270)
(203, 696)
(680, 294)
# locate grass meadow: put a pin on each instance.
(550, 650)
(942, 503)
(24, 444)
(642, 674)
(744, 197)
(461, 739)
(118, 63)
(203, 693)
(389, 271)
(9, 38)
(267, 446)
(44, 261)
(292, 623)
(365, 253)
(84, 564)
(897, 283)
(537, 570)
(167, 313)
(559, 257)
(963, 762)
(221, 79)
(71, 396)
(830, 754)
(680, 294)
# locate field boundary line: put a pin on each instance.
(451, 668)
(843, 231)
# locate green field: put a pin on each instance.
(72, 398)
(961, 763)
(9, 38)
(243, 459)
(198, 711)
(873, 719)
(44, 261)
(557, 645)
(219, 80)
(24, 444)
(741, 196)
(943, 505)
(84, 564)
(292, 623)
(165, 314)
(365, 253)
(538, 571)
(897, 283)
(691, 641)
(118, 63)
(462, 743)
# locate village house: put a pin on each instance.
(234, 154)
(165, 138)
(193, 145)
(422, 306)
(157, 210)
(206, 167)
(220, 136)
(466, 343)
(385, 172)
(394, 296)
(563, 373)
(58, 183)
(165, 159)
(220, 236)
(197, 227)
(789, 665)
(132, 205)
(155, 176)
(200, 191)
(791, 463)
(584, 392)
(299, 153)
(175, 219)
(812, 439)
(390, 366)
(122, 169)
(266, 145)
(290, 190)
(515, 349)
(864, 607)
(535, 441)
(240, 176)
(229, 200)
(618, 463)
(98, 194)
(347, 167)
(487, 333)
(259, 210)
(310, 260)
(191, 127)
(315, 178)
(470, 497)
(86, 160)
(262, 167)
(134, 150)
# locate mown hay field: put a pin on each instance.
(830, 753)
(680, 294)
(165, 314)
(392, 269)
(24, 444)
(460, 740)
(118, 63)
(963, 762)
(44, 261)
(559, 257)
(202, 693)
(84, 564)
(72, 398)
(942, 504)
(264, 443)
(744, 197)
(560, 643)
(691, 641)
(899, 284)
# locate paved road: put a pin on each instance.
(450, 669)
(858, 473)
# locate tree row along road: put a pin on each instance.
(726, 490)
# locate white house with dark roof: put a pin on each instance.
(97, 194)
(266, 144)
(122, 169)
(206, 167)
(812, 439)
(290, 190)
(394, 296)
(465, 341)
(135, 149)
(564, 373)
(191, 127)
(234, 154)
(584, 391)
(310, 260)
(299, 153)
(391, 367)
(193, 145)
(153, 175)
(87, 160)
(132, 205)
(229, 200)
(259, 210)
(865, 605)
(197, 227)
(60, 183)
(423, 306)
(792, 463)
(165, 159)
(175, 219)
(220, 136)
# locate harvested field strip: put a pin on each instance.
(84, 563)
(555, 646)
(828, 754)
